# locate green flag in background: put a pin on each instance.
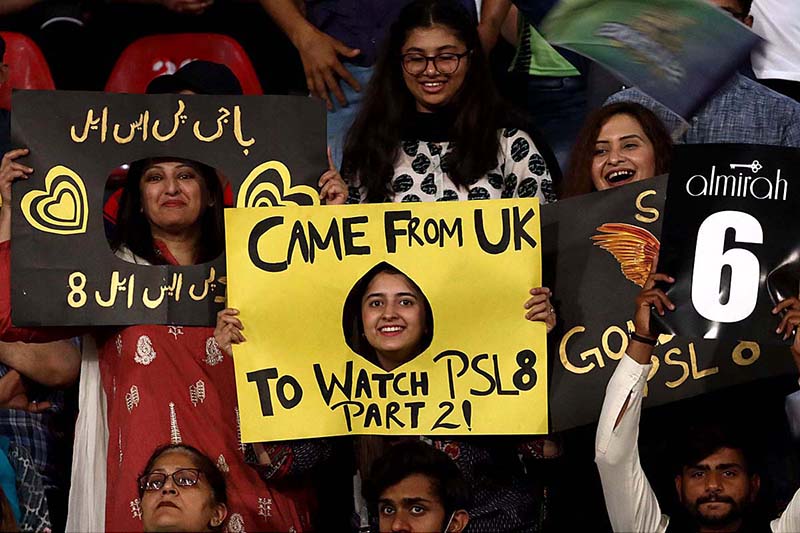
(677, 51)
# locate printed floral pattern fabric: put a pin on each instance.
(178, 396)
(420, 173)
(291, 459)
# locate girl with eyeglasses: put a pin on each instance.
(432, 126)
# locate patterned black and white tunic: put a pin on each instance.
(420, 173)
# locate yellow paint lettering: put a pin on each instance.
(77, 295)
(651, 212)
(739, 351)
(562, 352)
(623, 342)
(676, 362)
(699, 374)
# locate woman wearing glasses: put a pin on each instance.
(182, 490)
(432, 126)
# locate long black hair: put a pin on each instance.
(477, 111)
(133, 228)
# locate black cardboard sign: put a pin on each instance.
(270, 148)
(597, 249)
(730, 239)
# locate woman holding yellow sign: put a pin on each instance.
(389, 322)
(432, 128)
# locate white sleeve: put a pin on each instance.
(630, 501)
(789, 521)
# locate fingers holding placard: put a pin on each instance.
(228, 330)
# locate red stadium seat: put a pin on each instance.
(28, 68)
(155, 55)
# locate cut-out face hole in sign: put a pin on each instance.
(165, 199)
(387, 319)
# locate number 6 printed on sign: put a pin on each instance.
(711, 258)
(730, 240)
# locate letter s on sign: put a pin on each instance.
(710, 258)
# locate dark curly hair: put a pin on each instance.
(416, 457)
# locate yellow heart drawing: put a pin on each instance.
(258, 191)
(62, 207)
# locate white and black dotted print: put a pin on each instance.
(428, 185)
(547, 190)
(495, 180)
(528, 188)
(421, 173)
(410, 148)
(510, 186)
(421, 164)
(402, 183)
(520, 149)
(448, 196)
(536, 165)
(478, 193)
(434, 149)
(445, 166)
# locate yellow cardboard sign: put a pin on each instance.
(290, 272)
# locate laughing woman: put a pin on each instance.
(619, 143)
(432, 126)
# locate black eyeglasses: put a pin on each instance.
(183, 477)
(415, 63)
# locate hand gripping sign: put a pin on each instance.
(315, 363)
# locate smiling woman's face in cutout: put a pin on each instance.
(174, 195)
(393, 315)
